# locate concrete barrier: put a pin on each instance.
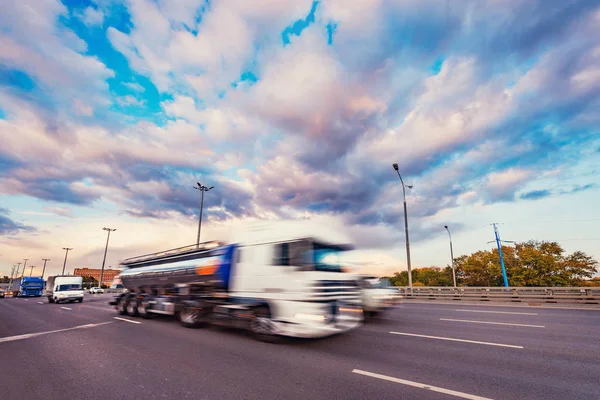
(562, 295)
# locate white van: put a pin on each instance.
(64, 288)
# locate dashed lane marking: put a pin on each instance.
(491, 323)
(32, 335)
(457, 340)
(127, 320)
(420, 385)
(497, 312)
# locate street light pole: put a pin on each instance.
(105, 250)
(202, 189)
(44, 270)
(66, 254)
(24, 266)
(452, 256)
(17, 271)
(31, 270)
(405, 225)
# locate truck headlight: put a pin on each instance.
(310, 317)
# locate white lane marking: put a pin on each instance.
(26, 299)
(39, 302)
(498, 312)
(491, 323)
(457, 340)
(420, 385)
(127, 320)
(65, 308)
(31, 335)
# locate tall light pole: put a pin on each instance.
(66, 254)
(451, 256)
(44, 270)
(24, 266)
(202, 189)
(105, 250)
(405, 225)
(31, 270)
(12, 273)
(17, 271)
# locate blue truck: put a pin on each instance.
(28, 286)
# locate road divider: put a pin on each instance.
(491, 323)
(420, 385)
(127, 320)
(497, 312)
(32, 335)
(457, 340)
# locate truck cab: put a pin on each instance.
(63, 288)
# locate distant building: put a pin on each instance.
(107, 278)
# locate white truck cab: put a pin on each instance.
(64, 288)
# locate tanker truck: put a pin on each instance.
(273, 284)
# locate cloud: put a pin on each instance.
(129, 100)
(136, 87)
(297, 109)
(61, 211)
(535, 194)
(92, 16)
(503, 185)
(56, 63)
(11, 227)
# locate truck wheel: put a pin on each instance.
(132, 307)
(262, 326)
(189, 317)
(142, 308)
(80, 300)
(50, 300)
(122, 305)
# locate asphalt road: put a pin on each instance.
(461, 352)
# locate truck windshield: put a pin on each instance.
(327, 258)
(72, 286)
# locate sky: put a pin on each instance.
(111, 111)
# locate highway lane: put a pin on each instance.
(160, 359)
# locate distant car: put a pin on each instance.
(377, 295)
(97, 290)
(2, 294)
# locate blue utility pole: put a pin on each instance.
(499, 244)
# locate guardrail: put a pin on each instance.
(530, 295)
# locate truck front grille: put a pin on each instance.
(345, 290)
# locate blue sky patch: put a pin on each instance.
(297, 27)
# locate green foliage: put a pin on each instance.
(530, 263)
(4, 279)
(431, 276)
(89, 282)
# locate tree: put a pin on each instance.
(4, 279)
(530, 263)
(429, 276)
(89, 281)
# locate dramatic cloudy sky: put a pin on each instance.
(111, 111)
